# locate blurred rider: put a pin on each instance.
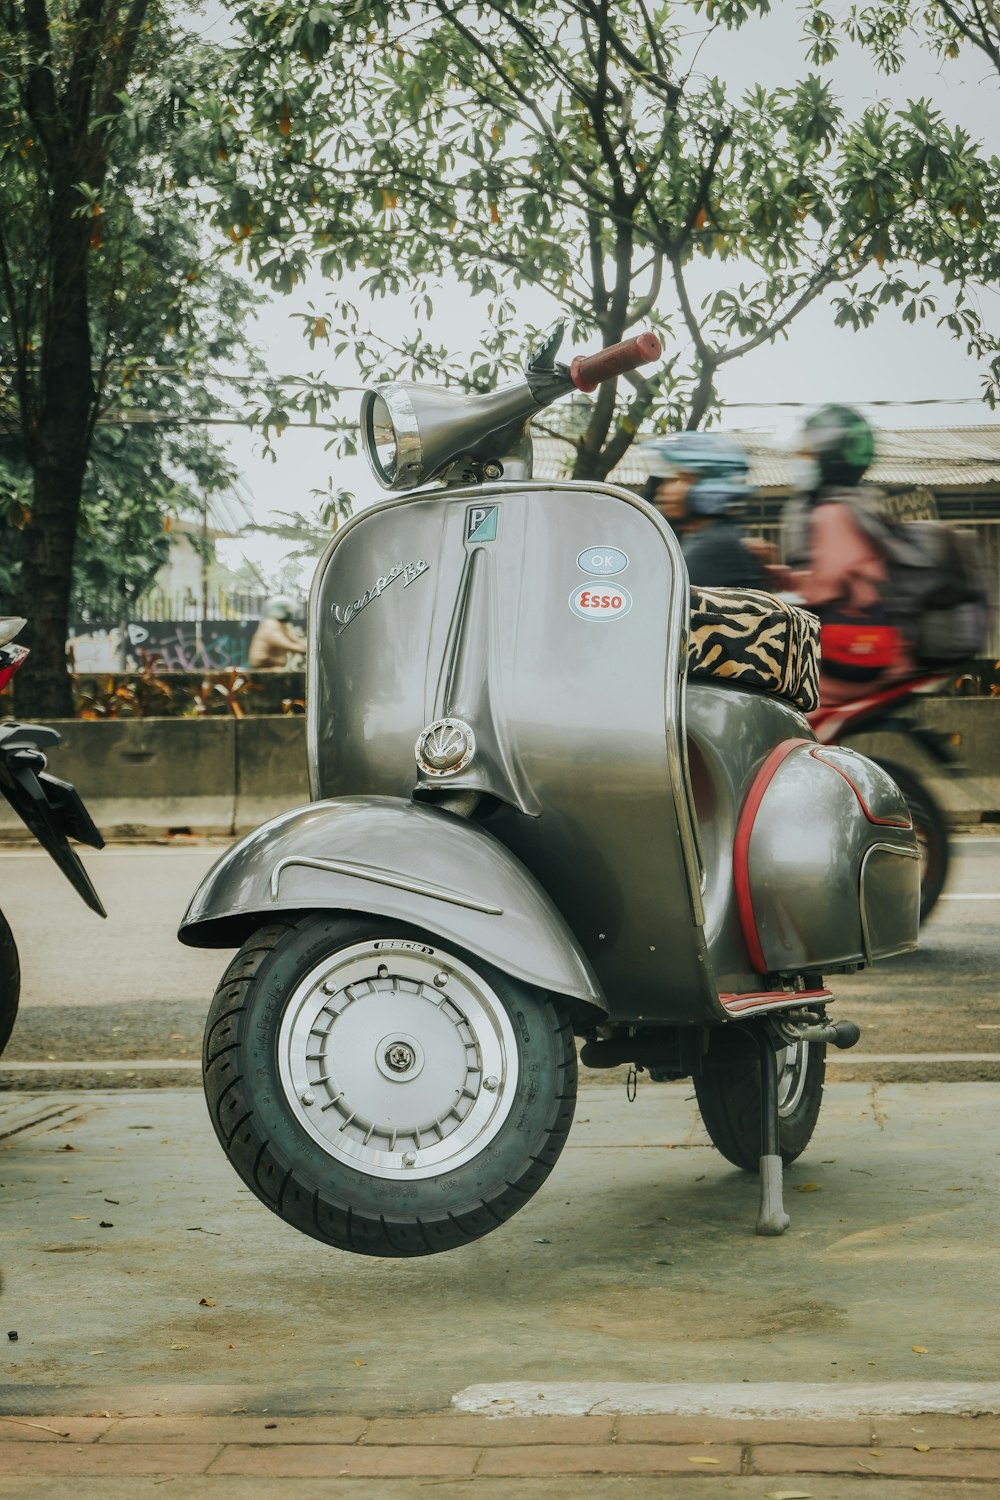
(698, 482)
(275, 638)
(835, 568)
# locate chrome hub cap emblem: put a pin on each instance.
(444, 747)
(399, 1057)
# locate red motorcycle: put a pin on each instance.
(882, 711)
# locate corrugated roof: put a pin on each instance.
(940, 458)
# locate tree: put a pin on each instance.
(580, 148)
(883, 28)
(108, 310)
(308, 535)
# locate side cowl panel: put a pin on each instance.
(825, 863)
(392, 858)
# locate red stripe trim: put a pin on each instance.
(770, 1000)
(741, 849)
(906, 822)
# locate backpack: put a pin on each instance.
(937, 590)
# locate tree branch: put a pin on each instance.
(530, 104)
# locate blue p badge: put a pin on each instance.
(481, 523)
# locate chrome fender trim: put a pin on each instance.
(365, 872)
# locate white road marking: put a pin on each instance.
(759, 1401)
(972, 896)
(853, 1057)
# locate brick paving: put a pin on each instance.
(467, 1449)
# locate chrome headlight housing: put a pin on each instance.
(391, 438)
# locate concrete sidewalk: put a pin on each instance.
(154, 1297)
(228, 1457)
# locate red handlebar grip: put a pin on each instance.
(588, 370)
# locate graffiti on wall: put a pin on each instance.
(182, 645)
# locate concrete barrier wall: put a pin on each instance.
(226, 776)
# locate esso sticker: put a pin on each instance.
(598, 600)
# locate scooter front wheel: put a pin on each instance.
(380, 1092)
(728, 1094)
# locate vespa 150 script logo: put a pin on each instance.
(408, 572)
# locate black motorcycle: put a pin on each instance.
(51, 809)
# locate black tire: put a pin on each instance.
(10, 981)
(931, 827)
(728, 1094)
(286, 1143)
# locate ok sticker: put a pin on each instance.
(599, 600)
(605, 560)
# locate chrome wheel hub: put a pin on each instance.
(792, 1061)
(397, 1060)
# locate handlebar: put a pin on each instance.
(587, 371)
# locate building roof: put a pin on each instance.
(936, 458)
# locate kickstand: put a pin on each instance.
(771, 1216)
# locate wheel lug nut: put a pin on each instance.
(409, 1158)
(308, 1098)
(492, 1083)
(440, 980)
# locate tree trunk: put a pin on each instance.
(44, 689)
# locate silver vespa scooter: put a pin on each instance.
(532, 822)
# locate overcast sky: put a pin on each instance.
(890, 361)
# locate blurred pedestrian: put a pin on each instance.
(834, 566)
(275, 638)
(699, 484)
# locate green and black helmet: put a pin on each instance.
(841, 441)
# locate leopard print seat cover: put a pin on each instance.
(755, 640)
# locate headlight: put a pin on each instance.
(390, 437)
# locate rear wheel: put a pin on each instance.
(381, 1093)
(728, 1093)
(931, 827)
(10, 981)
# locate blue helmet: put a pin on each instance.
(721, 467)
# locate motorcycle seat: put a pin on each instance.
(751, 639)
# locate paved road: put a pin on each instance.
(126, 989)
(624, 1335)
(143, 1278)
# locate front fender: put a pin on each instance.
(393, 858)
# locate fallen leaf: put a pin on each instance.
(921, 1447)
(918, 1348)
(68, 1147)
(206, 1302)
(789, 1495)
(106, 1224)
(359, 1361)
(178, 1346)
(810, 1187)
(704, 1460)
(82, 1217)
(98, 1351)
